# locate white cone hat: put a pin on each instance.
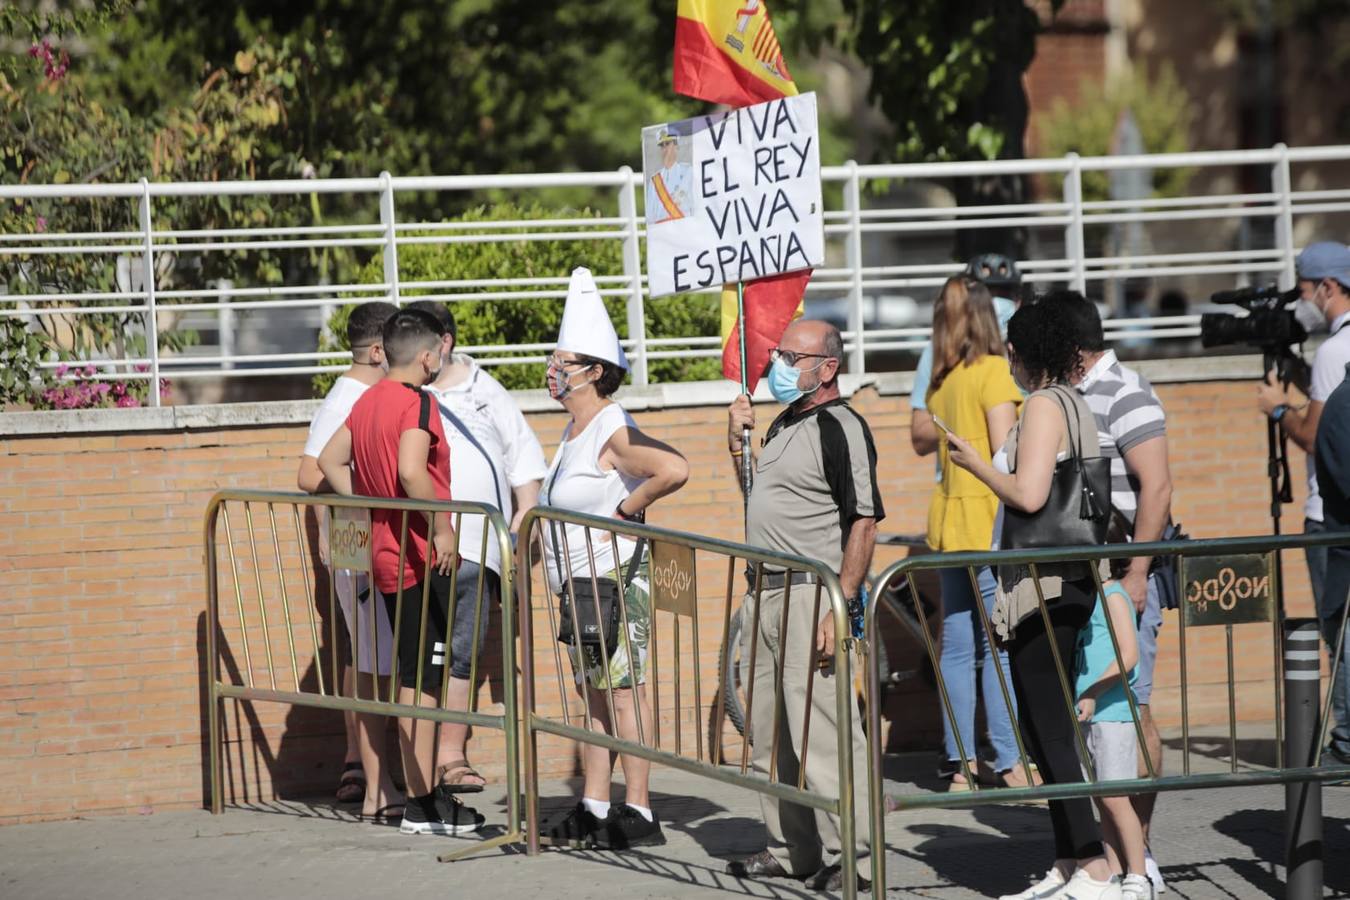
(586, 328)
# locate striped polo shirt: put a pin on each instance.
(1128, 414)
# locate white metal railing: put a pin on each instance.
(875, 248)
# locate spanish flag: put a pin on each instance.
(726, 52)
(771, 304)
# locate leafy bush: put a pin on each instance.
(532, 320)
(1162, 109)
(23, 352)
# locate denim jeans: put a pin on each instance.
(1329, 571)
(963, 643)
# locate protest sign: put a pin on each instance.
(733, 196)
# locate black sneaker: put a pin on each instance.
(625, 827)
(1333, 757)
(433, 814)
(577, 828)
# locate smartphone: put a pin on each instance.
(941, 425)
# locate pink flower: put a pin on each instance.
(53, 66)
(127, 401)
(41, 223)
(61, 370)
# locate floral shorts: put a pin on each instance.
(616, 672)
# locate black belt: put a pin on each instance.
(774, 580)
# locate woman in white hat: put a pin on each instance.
(605, 466)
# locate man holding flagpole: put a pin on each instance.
(814, 493)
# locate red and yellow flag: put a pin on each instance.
(771, 304)
(726, 52)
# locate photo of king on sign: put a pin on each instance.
(756, 199)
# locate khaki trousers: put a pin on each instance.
(800, 838)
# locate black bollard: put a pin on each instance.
(1302, 801)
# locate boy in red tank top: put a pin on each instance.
(395, 438)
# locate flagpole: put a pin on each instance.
(747, 456)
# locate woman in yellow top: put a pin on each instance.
(973, 394)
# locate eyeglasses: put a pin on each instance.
(557, 362)
(791, 357)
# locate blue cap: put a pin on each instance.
(1324, 259)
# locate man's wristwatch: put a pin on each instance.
(639, 516)
(1278, 412)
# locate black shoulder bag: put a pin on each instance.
(589, 607)
(1078, 510)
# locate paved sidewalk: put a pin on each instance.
(1211, 844)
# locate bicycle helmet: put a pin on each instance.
(997, 271)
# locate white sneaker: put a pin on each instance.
(1154, 873)
(1047, 887)
(1136, 887)
(1083, 886)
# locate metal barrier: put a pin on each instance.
(1226, 581)
(674, 579)
(350, 551)
(149, 257)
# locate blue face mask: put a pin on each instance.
(783, 383)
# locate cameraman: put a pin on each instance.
(1324, 277)
(1333, 481)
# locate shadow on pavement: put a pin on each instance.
(1262, 831)
(639, 862)
(1250, 751)
(698, 818)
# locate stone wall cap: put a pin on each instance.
(635, 399)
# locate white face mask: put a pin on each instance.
(1310, 316)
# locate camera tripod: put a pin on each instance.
(1288, 369)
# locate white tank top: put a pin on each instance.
(576, 482)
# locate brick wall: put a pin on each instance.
(102, 597)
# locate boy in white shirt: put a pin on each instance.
(365, 775)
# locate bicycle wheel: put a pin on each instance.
(735, 675)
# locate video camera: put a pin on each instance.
(1269, 326)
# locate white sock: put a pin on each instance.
(597, 808)
(641, 810)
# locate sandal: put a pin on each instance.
(451, 777)
(352, 786)
(385, 815)
(392, 814)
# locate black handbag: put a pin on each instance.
(593, 604)
(1078, 509)
(596, 614)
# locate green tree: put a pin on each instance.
(427, 86)
(1161, 108)
(55, 129)
(530, 320)
(948, 76)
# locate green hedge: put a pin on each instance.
(532, 321)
